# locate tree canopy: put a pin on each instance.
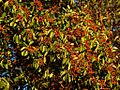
(60, 44)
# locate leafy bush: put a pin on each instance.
(66, 45)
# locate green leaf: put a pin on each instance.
(24, 38)
(6, 66)
(68, 6)
(19, 36)
(69, 66)
(6, 4)
(46, 73)
(44, 59)
(34, 88)
(12, 23)
(24, 53)
(14, 9)
(23, 23)
(45, 53)
(4, 84)
(85, 72)
(111, 85)
(34, 37)
(35, 64)
(45, 85)
(72, 2)
(9, 52)
(83, 39)
(64, 61)
(64, 78)
(31, 42)
(62, 73)
(51, 75)
(69, 79)
(43, 49)
(17, 39)
(1, 19)
(51, 35)
(1, 64)
(114, 49)
(97, 43)
(3, 15)
(61, 35)
(25, 43)
(14, 37)
(22, 48)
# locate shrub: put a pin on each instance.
(60, 46)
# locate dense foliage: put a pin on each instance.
(60, 44)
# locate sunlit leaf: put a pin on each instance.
(24, 53)
(17, 39)
(22, 48)
(4, 84)
(51, 75)
(64, 61)
(43, 49)
(6, 4)
(61, 35)
(44, 59)
(62, 73)
(51, 35)
(31, 42)
(69, 66)
(12, 23)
